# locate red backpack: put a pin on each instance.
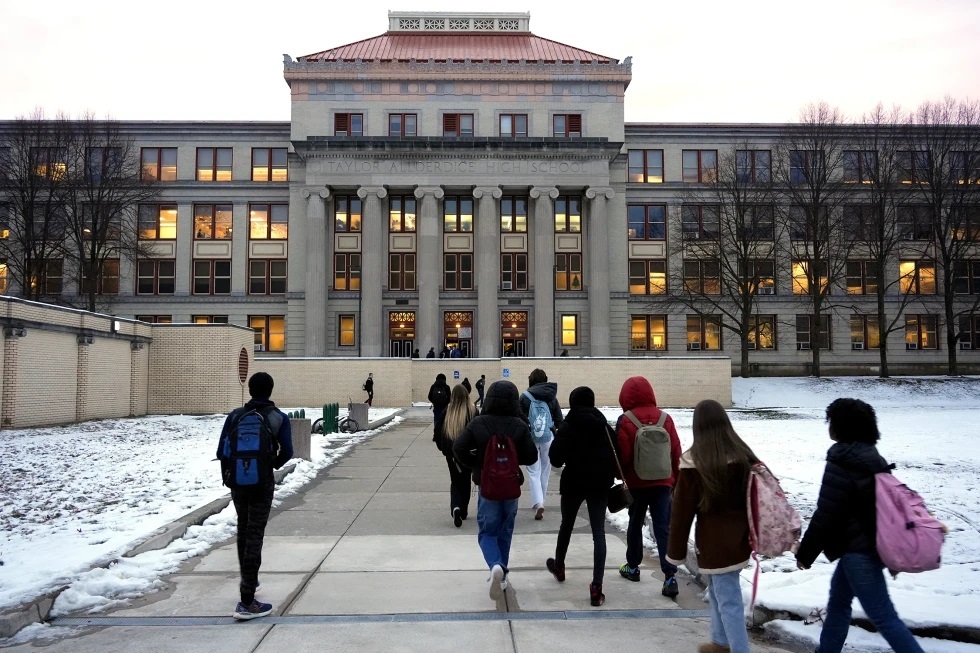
(500, 477)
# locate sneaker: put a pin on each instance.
(254, 611)
(504, 583)
(670, 589)
(630, 573)
(557, 570)
(596, 597)
(457, 517)
(496, 580)
(539, 513)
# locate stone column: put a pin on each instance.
(316, 271)
(372, 269)
(544, 269)
(599, 336)
(487, 261)
(428, 322)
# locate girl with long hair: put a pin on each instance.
(449, 425)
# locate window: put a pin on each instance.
(647, 221)
(346, 331)
(805, 166)
(103, 163)
(762, 332)
(917, 277)
(209, 319)
(348, 124)
(646, 166)
(702, 277)
(760, 274)
(347, 214)
(513, 125)
(914, 222)
(965, 167)
(457, 124)
(860, 167)
(700, 221)
(513, 215)
(458, 215)
(212, 277)
(703, 333)
(159, 163)
(968, 227)
(270, 332)
(648, 333)
(401, 215)
(569, 330)
(347, 271)
(567, 125)
(107, 283)
(4, 221)
(155, 319)
(214, 163)
(269, 164)
(805, 272)
(865, 333)
(401, 271)
(402, 124)
(966, 277)
(969, 335)
(156, 276)
(3, 277)
(49, 277)
(268, 221)
(809, 223)
(805, 336)
(753, 166)
(861, 223)
(513, 271)
(458, 272)
(158, 221)
(568, 215)
(50, 163)
(914, 167)
(759, 223)
(648, 277)
(267, 277)
(699, 166)
(862, 278)
(920, 332)
(568, 272)
(212, 221)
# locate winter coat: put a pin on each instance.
(369, 386)
(548, 393)
(284, 437)
(500, 416)
(582, 444)
(721, 537)
(432, 353)
(844, 521)
(439, 403)
(443, 444)
(637, 396)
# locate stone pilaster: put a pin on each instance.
(487, 261)
(598, 234)
(428, 322)
(316, 271)
(372, 270)
(544, 270)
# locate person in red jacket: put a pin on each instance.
(648, 496)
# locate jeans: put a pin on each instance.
(495, 529)
(539, 474)
(656, 501)
(253, 507)
(862, 575)
(460, 482)
(727, 612)
(596, 504)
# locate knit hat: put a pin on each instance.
(581, 397)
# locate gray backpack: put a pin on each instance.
(651, 449)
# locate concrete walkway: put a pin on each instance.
(368, 559)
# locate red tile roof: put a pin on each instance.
(395, 46)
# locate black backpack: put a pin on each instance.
(249, 450)
(440, 395)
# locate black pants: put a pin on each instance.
(460, 483)
(253, 507)
(596, 504)
(656, 501)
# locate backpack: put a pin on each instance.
(539, 416)
(774, 526)
(909, 539)
(249, 449)
(500, 476)
(440, 395)
(651, 449)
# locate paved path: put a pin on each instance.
(368, 559)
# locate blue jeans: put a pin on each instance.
(495, 529)
(862, 575)
(656, 501)
(727, 612)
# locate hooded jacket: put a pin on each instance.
(844, 521)
(548, 393)
(583, 444)
(500, 416)
(637, 396)
(438, 402)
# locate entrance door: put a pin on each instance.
(458, 331)
(513, 330)
(401, 333)
(401, 348)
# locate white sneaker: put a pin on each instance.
(496, 582)
(504, 583)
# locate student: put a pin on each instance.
(844, 528)
(369, 388)
(415, 354)
(432, 353)
(542, 392)
(447, 428)
(439, 393)
(466, 384)
(480, 384)
(253, 504)
(711, 486)
(584, 445)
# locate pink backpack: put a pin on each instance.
(909, 539)
(774, 526)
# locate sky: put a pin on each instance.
(705, 61)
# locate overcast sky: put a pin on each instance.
(693, 61)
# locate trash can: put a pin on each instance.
(359, 413)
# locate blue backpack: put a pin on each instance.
(539, 416)
(249, 450)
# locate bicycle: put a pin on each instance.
(347, 424)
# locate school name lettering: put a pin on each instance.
(451, 167)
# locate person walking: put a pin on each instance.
(539, 403)
(447, 428)
(583, 444)
(415, 353)
(499, 422)
(439, 395)
(711, 486)
(466, 384)
(369, 388)
(254, 503)
(844, 529)
(480, 383)
(651, 496)
(432, 353)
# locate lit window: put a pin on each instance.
(762, 332)
(648, 277)
(158, 221)
(209, 319)
(268, 221)
(214, 163)
(646, 166)
(569, 330)
(865, 333)
(347, 271)
(920, 332)
(159, 163)
(917, 277)
(648, 333)
(568, 272)
(806, 273)
(402, 215)
(568, 215)
(212, 221)
(347, 214)
(703, 333)
(699, 166)
(269, 164)
(270, 332)
(346, 327)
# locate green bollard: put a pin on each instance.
(334, 414)
(302, 413)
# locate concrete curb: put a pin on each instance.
(38, 610)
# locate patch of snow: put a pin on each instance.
(859, 639)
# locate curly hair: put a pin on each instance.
(852, 420)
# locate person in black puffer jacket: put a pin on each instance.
(584, 445)
(843, 527)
